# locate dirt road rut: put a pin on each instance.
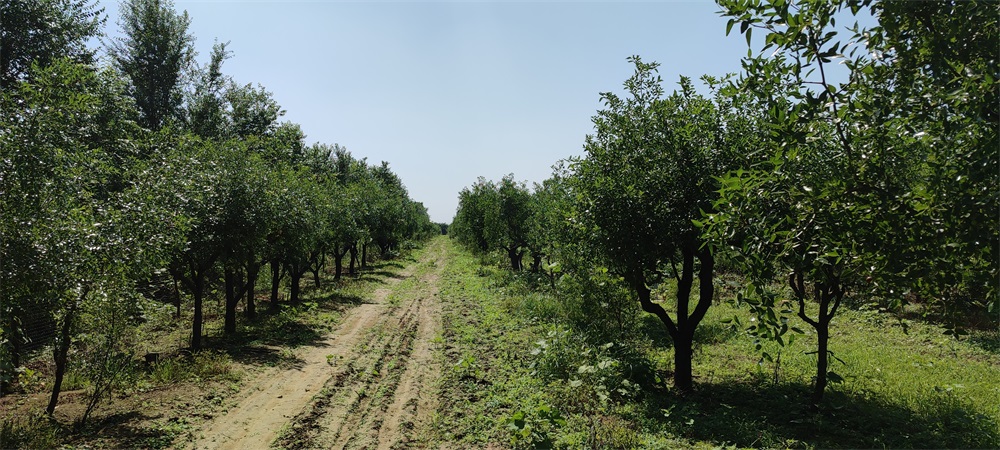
(368, 385)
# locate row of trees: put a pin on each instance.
(881, 187)
(116, 174)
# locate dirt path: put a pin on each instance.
(368, 385)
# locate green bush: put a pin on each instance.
(585, 377)
(599, 303)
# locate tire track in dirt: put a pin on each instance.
(385, 398)
(368, 384)
(414, 401)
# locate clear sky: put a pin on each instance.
(450, 91)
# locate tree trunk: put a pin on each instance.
(828, 295)
(275, 283)
(196, 323)
(683, 378)
(295, 274)
(515, 258)
(233, 293)
(822, 363)
(364, 256)
(536, 262)
(316, 262)
(60, 352)
(251, 311)
(354, 258)
(252, 271)
(177, 300)
(682, 331)
(338, 264)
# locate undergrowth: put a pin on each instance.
(207, 377)
(573, 363)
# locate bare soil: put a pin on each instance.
(369, 384)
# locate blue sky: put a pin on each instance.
(450, 91)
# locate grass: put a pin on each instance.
(526, 371)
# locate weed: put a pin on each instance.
(168, 370)
(28, 379)
(214, 365)
(35, 431)
(468, 369)
(535, 427)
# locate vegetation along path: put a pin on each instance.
(365, 385)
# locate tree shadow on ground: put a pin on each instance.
(384, 274)
(262, 356)
(335, 301)
(394, 264)
(746, 415)
(651, 327)
(986, 340)
(365, 278)
(124, 429)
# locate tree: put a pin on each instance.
(154, 53)
(510, 226)
(474, 207)
(254, 112)
(67, 218)
(845, 202)
(207, 114)
(197, 196)
(41, 32)
(942, 60)
(495, 216)
(647, 176)
(248, 212)
(549, 229)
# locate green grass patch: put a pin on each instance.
(527, 366)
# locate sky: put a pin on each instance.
(447, 92)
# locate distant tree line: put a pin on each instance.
(883, 188)
(117, 172)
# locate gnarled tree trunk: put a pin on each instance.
(682, 331)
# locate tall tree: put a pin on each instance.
(41, 31)
(206, 108)
(154, 53)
